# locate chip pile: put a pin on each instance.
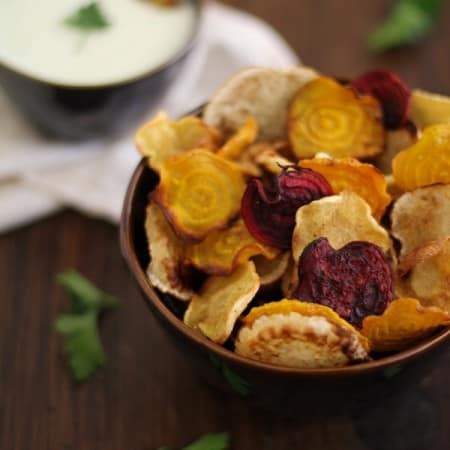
(304, 221)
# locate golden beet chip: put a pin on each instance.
(298, 334)
(328, 117)
(240, 140)
(223, 250)
(162, 137)
(221, 300)
(426, 162)
(271, 270)
(165, 271)
(429, 109)
(349, 174)
(341, 219)
(421, 216)
(199, 192)
(429, 273)
(404, 322)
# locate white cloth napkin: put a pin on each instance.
(39, 176)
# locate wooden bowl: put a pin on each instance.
(282, 389)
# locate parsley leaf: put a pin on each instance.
(211, 441)
(80, 327)
(88, 18)
(408, 21)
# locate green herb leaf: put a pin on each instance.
(88, 18)
(408, 21)
(80, 327)
(212, 441)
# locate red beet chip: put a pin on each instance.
(269, 214)
(355, 281)
(393, 94)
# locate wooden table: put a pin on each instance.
(148, 396)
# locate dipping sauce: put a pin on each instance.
(36, 41)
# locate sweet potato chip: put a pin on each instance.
(298, 334)
(350, 174)
(223, 250)
(328, 117)
(429, 109)
(199, 192)
(426, 162)
(166, 270)
(260, 92)
(271, 270)
(421, 216)
(240, 140)
(162, 137)
(221, 300)
(341, 219)
(429, 278)
(404, 322)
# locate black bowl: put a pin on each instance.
(92, 111)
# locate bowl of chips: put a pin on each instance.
(293, 235)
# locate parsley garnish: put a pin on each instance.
(80, 327)
(212, 441)
(408, 21)
(88, 18)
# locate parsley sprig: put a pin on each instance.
(408, 21)
(80, 326)
(89, 17)
(211, 441)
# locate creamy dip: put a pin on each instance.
(34, 39)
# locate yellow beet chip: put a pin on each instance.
(328, 117)
(341, 219)
(162, 137)
(166, 270)
(221, 300)
(240, 140)
(199, 192)
(350, 174)
(421, 216)
(429, 109)
(223, 250)
(300, 334)
(426, 162)
(404, 322)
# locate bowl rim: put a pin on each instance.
(184, 50)
(152, 297)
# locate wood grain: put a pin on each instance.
(148, 395)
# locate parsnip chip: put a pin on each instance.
(223, 250)
(221, 300)
(404, 322)
(429, 109)
(289, 281)
(240, 140)
(166, 270)
(260, 92)
(341, 219)
(199, 192)
(421, 216)
(327, 117)
(426, 162)
(271, 270)
(350, 174)
(299, 334)
(429, 278)
(162, 137)
(272, 162)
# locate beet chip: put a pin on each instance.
(394, 96)
(270, 214)
(355, 281)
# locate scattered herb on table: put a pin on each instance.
(80, 326)
(407, 22)
(211, 441)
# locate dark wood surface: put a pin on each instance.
(148, 396)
